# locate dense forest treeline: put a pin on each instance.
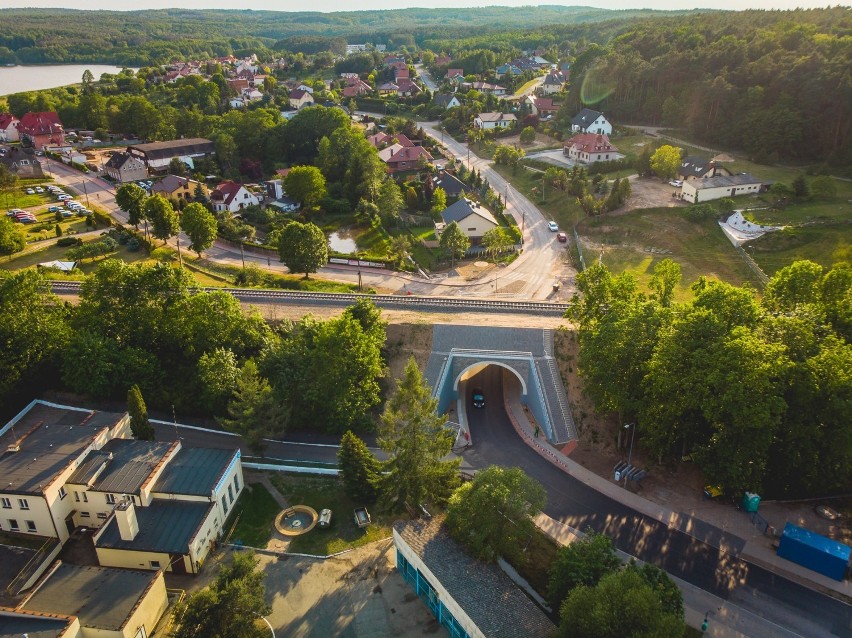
(139, 38)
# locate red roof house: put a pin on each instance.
(589, 148)
(408, 159)
(42, 129)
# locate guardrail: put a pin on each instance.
(413, 302)
(35, 566)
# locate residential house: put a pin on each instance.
(124, 167)
(553, 83)
(355, 48)
(451, 184)
(237, 85)
(285, 204)
(41, 129)
(232, 197)
(468, 597)
(472, 217)
(540, 62)
(703, 190)
(507, 69)
(406, 87)
(543, 107)
(388, 88)
(23, 162)
(381, 140)
(446, 100)
(259, 80)
(454, 76)
(176, 188)
(589, 121)
(246, 75)
(589, 148)
(492, 121)
(158, 155)
(105, 602)
(305, 87)
(396, 64)
(401, 74)
(356, 88)
(405, 158)
(8, 128)
(699, 168)
(485, 87)
(300, 98)
(238, 103)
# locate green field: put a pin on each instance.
(825, 244)
(255, 514)
(627, 240)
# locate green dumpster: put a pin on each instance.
(751, 501)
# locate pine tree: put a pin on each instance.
(415, 438)
(254, 411)
(139, 424)
(359, 469)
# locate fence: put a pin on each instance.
(762, 277)
(579, 250)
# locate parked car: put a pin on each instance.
(553, 226)
(54, 209)
(67, 213)
(39, 189)
(28, 220)
(677, 183)
(562, 237)
(63, 197)
(14, 211)
(30, 191)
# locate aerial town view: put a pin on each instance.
(454, 319)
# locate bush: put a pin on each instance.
(699, 212)
(65, 242)
(102, 218)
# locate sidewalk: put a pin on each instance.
(737, 537)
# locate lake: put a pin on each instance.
(15, 79)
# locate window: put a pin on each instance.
(77, 496)
(110, 499)
(62, 493)
(7, 503)
(85, 515)
(13, 525)
(102, 515)
(85, 497)
(230, 494)
(24, 503)
(31, 526)
(236, 483)
(225, 504)
(155, 564)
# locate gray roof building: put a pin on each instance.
(463, 209)
(701, 167)
(158, 152)
(121, 466)
(165, 527)
(44, 442)
(451, 184)
(740, 179)
(101, 597)
(585, 118)
(15, 623)
(195, 471)
(497, 607)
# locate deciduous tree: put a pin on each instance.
(454, 241)
(199, 224)
(582, 563)
(303, 247)
(665, 161)
(131, 199)
(305, 184)
(492, 516)
(164, 220)
(11, 240)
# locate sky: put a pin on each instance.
(347, 5)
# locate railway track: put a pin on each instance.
(411, 302)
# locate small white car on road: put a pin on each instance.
(553, 227)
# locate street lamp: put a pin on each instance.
(632, 436)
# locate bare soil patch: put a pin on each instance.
(541, 141)
(650, 193)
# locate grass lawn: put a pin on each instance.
(824, 244)
(327, 492)
(255, 515)
(699, 247)
(556, 205)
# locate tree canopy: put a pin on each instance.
(199, 224)
(303, 247)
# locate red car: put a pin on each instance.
(562, 237)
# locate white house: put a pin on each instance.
(232, 197)
(589, 148)
(589, 121)
(8, 128)
(553, 83)
(124, 167)
(472, 217)
(468, 597)
(300, 98)
(447, 100)
(490, 121)
(703, 190)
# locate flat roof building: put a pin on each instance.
(157, 155)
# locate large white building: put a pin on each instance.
(703, 190)
(589, 121)
(156, 505)
(490, 121)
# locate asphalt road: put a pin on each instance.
(782, 602)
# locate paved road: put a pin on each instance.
(425, 77)
(797, 609)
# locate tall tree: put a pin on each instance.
(415, 438)
(665, 161)
(305, 184)
(621, 604)
(303, 247)
(583, 562)
(199, 224)
(454, 241)
(231, 607)
(439, 200)
(140, 426)
(164, 219)
(131, 199)
(493, 514)
(390, 202)
(498, 239)
(11, 240)
(665, 279)
(254, 412)
(218, 374)
(359, 468)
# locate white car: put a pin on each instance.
(63, 197)
(30, 191)
(553, 227)
(677, 183)
(39, 189)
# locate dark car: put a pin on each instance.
(478, 399)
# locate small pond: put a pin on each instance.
(343, 241)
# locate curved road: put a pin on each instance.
(790, 606)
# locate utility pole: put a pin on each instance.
(86, 193)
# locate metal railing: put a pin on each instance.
(32, 566)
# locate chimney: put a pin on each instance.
(125, 516)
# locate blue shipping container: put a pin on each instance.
(814, 551)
